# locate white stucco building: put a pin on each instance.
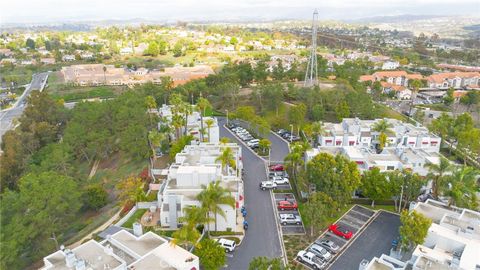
(408, 147)
(453, 240)
(195, 167)
(122, 251)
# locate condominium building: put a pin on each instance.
(385, 262)
(398, 77)
(194, 168)
(122, 251)
(456, 80)
(408, 147)
(453, 239)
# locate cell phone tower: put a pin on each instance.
(311, 75)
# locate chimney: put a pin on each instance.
(70, 258)
(137, 229)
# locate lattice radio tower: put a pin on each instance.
(311, 76)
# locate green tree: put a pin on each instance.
(294, 159)
(414, 229)
(437, 174)
(95, 197)
(406, 186)
(246, 113)
(179, 144)
(44, 206)
(30, 43)
(178, 49)
(297, 113)
(260, 73)
(419, 116)
(342, 110)
(462, 187)
(382, 126)
(188, 233)
(415, 87)
(336, 176)
(152, 49)
(265, 263)
(448, 99)
(469, 143)
(471, 99)
(211, 254)
(443, 126)
(213, 197)
(375, 185)
(131, 190)
(264, 145)
(156, 138)
(209, 122)
(319, 209)
(227, 159)
(202, 104)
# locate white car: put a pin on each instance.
(280, 180)
(253, 142)
(310, 259)
(228, 245)
(264, 185)
(290, 219)
(320, 252)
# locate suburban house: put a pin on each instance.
(121, 251)
(398, 77)
(453, 239)
(456, 80)
(408, 146)
(400, 91)
(47, 61)
(390, 65)
(194, 168)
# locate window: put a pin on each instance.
(433, 143)
(351, 143)
(338, 143)
(328, 141)
(390, 168)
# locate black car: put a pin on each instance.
(286, 135)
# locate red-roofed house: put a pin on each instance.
(398, 77)
(401, 92)
(456, 80)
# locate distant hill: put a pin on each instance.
(393, 19)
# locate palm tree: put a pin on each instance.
(156, 138)
(202, 105)
(317, 130)
(462, 186)
(209, 122)
(383, 127)
(295, 157)
(437, 175)
(415, 85)
(264, 145)
(104, 75)
(213, 196)
(224, 140)
(227, 159)
(177, 122)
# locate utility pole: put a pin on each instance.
(311, 75)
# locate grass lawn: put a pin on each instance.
(135, 217)
(437, 107)
(390, 113)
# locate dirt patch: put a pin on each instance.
(110, 163)
(161, 162)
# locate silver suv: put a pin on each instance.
(290, 219)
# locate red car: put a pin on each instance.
(342, 232)
(277, 167)
(286, 205)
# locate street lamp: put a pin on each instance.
(227, 117)
(291, 132)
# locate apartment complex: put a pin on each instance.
(100, 74)
(456, 80)
(453, 240)
(211, 130)
(384, 262)
(122, 251)
(398, 77)
(194, 168)
(408, 146)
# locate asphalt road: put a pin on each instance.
(374, 241)
(7, 117)
(262, 237)
(279, 149)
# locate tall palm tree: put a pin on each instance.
(383, 127)
(104, 75)
(227, 159)
(294, 159)
(317, 130)
(213, 196)
(202, 105)
(209, 122)
(437, 175)
(461, 187)
(156, 138)
(415, 85)
(177, 122)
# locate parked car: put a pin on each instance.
(281, 131)
(320, 252)
(287, 205)
(252, 142)
(328, 244)
(290, 219)
(286, 135)
(280, 180)
(264, 185)
(310, 259)
(342, 232)
(276, 167)
(229, 245)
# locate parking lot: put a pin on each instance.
(290, 229)
(353, 221)
(373, 241)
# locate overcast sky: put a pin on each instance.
(41, 11)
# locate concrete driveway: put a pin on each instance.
(262, 237)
